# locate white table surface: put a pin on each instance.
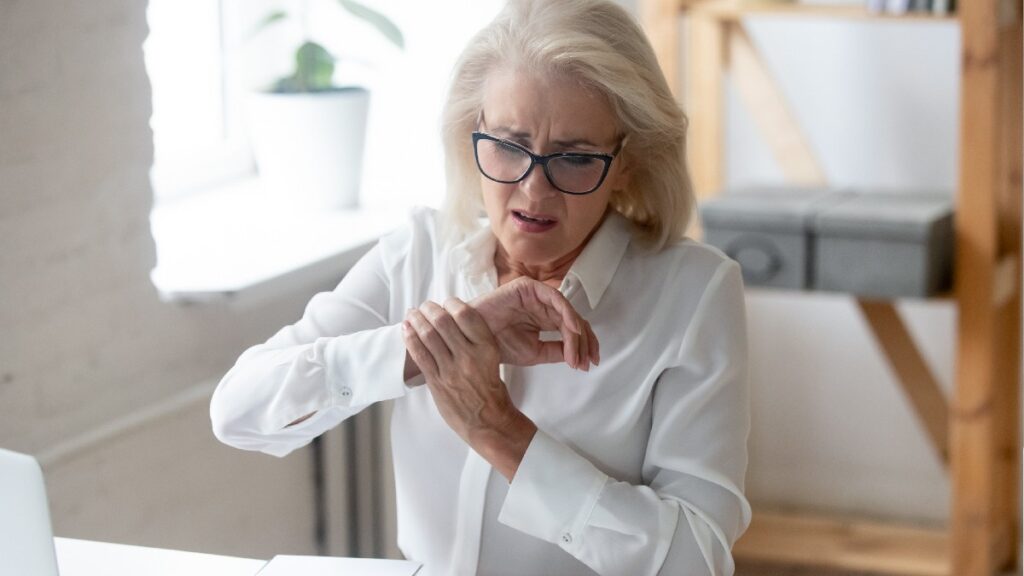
(88, 558)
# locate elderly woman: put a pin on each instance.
(514, 452)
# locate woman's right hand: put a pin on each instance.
(520, 310)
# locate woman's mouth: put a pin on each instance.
(533, 222)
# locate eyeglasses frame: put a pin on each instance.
(543, 160)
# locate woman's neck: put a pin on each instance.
(550, 273)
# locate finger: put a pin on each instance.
(553, 305)
(557, 301)
(433, 341)
(550, 353)
(570, 339)
(583, 352)
(556, 316)
(570, 347)
(445, 325)
(469, 321)
(419, 353)
(595, 346)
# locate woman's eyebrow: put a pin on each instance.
(512, 134)
(575, 142)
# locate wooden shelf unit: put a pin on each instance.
(976, 432)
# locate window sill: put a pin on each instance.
(238, 240)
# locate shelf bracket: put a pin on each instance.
(912, 371)
(773, 116)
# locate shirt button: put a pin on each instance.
(346, 392)
(567, 538)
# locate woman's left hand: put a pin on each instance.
(458, 356)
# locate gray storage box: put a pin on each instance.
(768, 231)
(885, 245)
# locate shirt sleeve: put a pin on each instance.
(690, 509)
(340, 357)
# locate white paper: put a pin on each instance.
(329, 566)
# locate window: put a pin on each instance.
(204, 58)
(198, 140)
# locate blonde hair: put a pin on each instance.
(601, 45)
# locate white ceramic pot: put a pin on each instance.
(309, 147)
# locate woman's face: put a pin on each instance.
(547, 114)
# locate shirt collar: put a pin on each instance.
(596, 265)
(594, 268)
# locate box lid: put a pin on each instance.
(886, 216)
(766, 209)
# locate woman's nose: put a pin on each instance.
(536, 184)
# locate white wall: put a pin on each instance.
(832, 429)
(88, 352)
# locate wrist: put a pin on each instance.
(487, 312)
(504, 443)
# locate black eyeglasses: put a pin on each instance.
(570, 172)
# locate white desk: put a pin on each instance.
(87, 558)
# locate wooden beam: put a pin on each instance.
(706, 61)
(974, 518)
(775, 120)
(1007, 392)
(844, 543)
(660, 20)
(738, 9)
(912, 371)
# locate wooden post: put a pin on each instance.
(1008, 446)
(706, 61)
(660, 19)
(974, 525)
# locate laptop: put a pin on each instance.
(26, 537)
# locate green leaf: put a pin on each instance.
(382, 23)
(270, 18)
(314, 67)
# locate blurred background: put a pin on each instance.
(142, 253)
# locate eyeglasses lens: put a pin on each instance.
(576, 173)
(501, 161)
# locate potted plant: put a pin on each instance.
(307, 132)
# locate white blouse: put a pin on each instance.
(638, 465)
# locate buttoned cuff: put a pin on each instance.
(553, 493)
(366, 367)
